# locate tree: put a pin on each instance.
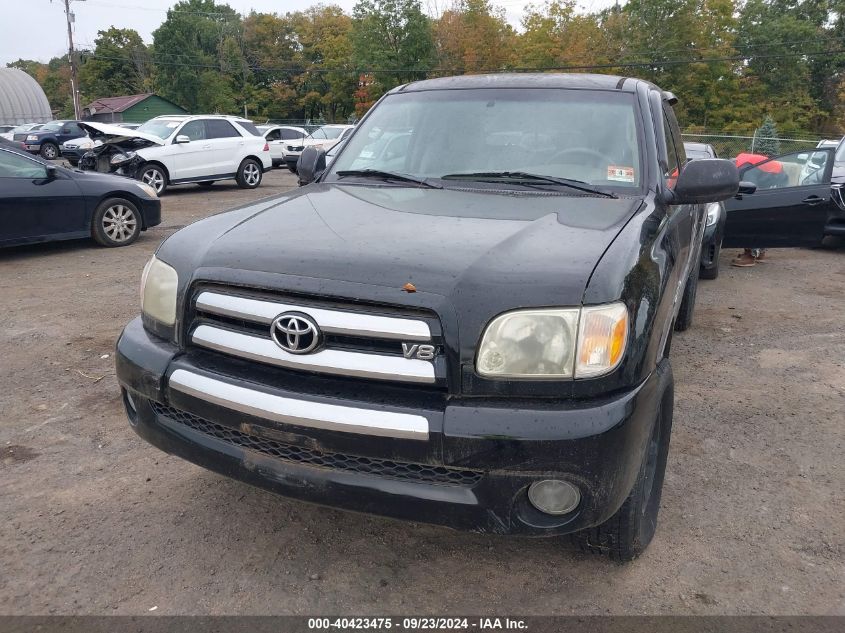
(472, 37)
(119, 65)
(767, 141)
(191, 43)
(393, 35)
(328, 81)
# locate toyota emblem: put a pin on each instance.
(295, 332)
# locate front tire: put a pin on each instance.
(626, 535)
(154, 176)
(49, 151)
(117, 222)
(249, 174)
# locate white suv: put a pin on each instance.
(202, 149)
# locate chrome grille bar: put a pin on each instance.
(328, 361)
(300, 412)
(330, 321)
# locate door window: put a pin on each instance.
(672, 164)
(798, 169)
(218, 128)
(290, 135)
(194, 130)
(15, 166)
(274, 135)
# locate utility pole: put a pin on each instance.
(74, 81)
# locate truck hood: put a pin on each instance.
(116, 135)
(484, 250)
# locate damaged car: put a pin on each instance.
(176, 150)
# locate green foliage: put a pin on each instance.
(767, 141)
(730, 62)
(392, 35)
(119, 65)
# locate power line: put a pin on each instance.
(305, 67)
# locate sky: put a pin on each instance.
(36, 29)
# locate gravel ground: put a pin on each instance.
(95, 521)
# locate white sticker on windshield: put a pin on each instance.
(620, 174)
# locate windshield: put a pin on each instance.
(581, 135)
(161, 128)
(325, 133)
(697, 153)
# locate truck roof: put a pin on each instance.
(528, 80)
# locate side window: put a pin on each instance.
(73, 128)
(14, 166)
(290, 135)
(218, 128)
(798, 169)
(274, 135)
(194, 130)
(672, 162)
(319, 134)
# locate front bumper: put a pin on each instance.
(471, 471)
(32, 147)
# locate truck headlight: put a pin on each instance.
(554, 342)
(713, 211)
(529, 343)
(32, 137)
(158, 291)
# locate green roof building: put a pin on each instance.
(130, 109)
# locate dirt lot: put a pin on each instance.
(95, 521)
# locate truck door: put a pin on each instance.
(791, 205)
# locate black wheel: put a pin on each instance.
(626, 534)
(249, 174)
(713, 271)
(709, 273)
(49, 150)
(154, 176)
(116, 222)
(684, 320)
(206, 184)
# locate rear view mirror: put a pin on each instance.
(183, 138)
(311, 165)
(705, 180)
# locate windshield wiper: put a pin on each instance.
(526, 178)
(387, 175)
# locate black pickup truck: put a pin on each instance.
(466, 320)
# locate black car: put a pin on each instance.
(714, 226)
(47, 140)
(836, 223)
(797, 202)
(41, 202)
(456, 334)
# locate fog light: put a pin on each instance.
(553, 496)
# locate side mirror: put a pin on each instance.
(311, 165)
(747, 187)
(183, 138)
(705, 180)
(51, 172)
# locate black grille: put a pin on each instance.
(350, 463)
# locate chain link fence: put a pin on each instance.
(729, 146)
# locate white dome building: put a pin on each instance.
(21, 99)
